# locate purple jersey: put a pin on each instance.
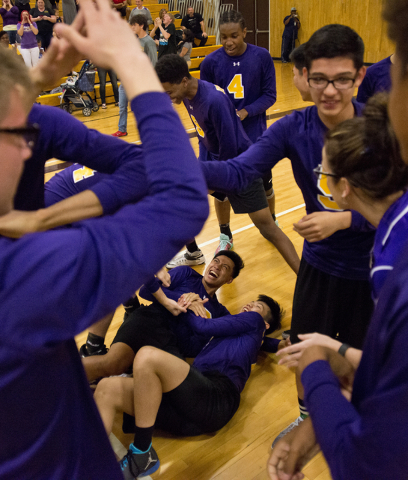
(391, 236)
(249, 80)
(104, 153)
(70, 181)
(367, 438)
(57, 283)
(377, 79)
(300, 137)
(218, 126)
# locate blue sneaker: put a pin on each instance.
(137, 464)
(226, 243)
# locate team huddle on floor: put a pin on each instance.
(350, 162)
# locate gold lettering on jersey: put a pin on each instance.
(235, 86)
(326, 199)
(82, 173)
(200, 131)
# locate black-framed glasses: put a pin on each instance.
(29, 133)
(318, 172)
(341, 83)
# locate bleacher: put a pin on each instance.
(197, 56)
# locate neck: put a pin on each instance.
(210, 290)
(192, 88)
(374, 210)
(142, 34)
(243, 50)
(332, 122)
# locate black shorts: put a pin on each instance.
(148, 326)
(203, 403)
(251, 200)
(338, 307)
(267, 181)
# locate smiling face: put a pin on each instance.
(334, 106)
(40, 5)
(259, 307)
(166, 19)
(219, 272)
(139, 3)
(233, 39)
(176, 91)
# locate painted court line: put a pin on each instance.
(214, 240)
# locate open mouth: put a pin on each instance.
(212, 274)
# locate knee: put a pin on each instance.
(145, 358)
(116, 365)
(106, 391)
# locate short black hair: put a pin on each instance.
(297, 57)
(140, 20)
(189, 35)
(172, 69)
(277, 313)
(232, 16)
(333, 41)
(238, 262)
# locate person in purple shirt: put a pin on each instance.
(167, 393)
(367, 437)
(332, 293)
(11, 16)
(247, 74)
(27, 29)
(65, 280)
(221, 136)
(377, 79)
(155, 325)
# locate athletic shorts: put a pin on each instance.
(148, 326)
(334, 306)
(267, 181)
(202, 403)
(251, 200)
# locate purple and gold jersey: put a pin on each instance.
(248, 79)
(300, 137)
(390, 238)
(218, 126)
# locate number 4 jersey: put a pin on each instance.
(249, 81)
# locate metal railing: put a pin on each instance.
(209, 9)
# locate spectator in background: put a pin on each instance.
(10, 17)
(195, 22)
(45, 20)
(69, 11)
(167, 35)
(297, 57)
(155, 33)
(290, 34)
(120, 6)
(4, 39)
(186, 45)
(58, 19)
(377, 79)
(27, 29)
(138, 24)
(141, 10)
(22, 5)
(114, 81)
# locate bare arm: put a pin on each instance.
(184, 50)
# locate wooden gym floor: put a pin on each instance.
(269, 402)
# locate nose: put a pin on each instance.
(330, 90)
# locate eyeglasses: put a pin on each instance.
(321, 83)
(318, 172)
(29, 133)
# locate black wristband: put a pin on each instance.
(343, 348)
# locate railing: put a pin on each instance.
(209, 9)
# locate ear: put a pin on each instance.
(244, 31)
(360, 76)
(304, 71)
(346, 188)
(230, 281)
(267, 326)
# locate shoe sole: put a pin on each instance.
(183, 262)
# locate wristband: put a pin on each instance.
(343, 348)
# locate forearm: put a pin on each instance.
(73, 209)
(165, 34)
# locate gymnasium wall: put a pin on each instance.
(364, 16)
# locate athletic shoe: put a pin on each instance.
(119, 134)
(288, 429)
(226, 243)
(285, 334)
(187, 258)
(83, 351)
(136, 464)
